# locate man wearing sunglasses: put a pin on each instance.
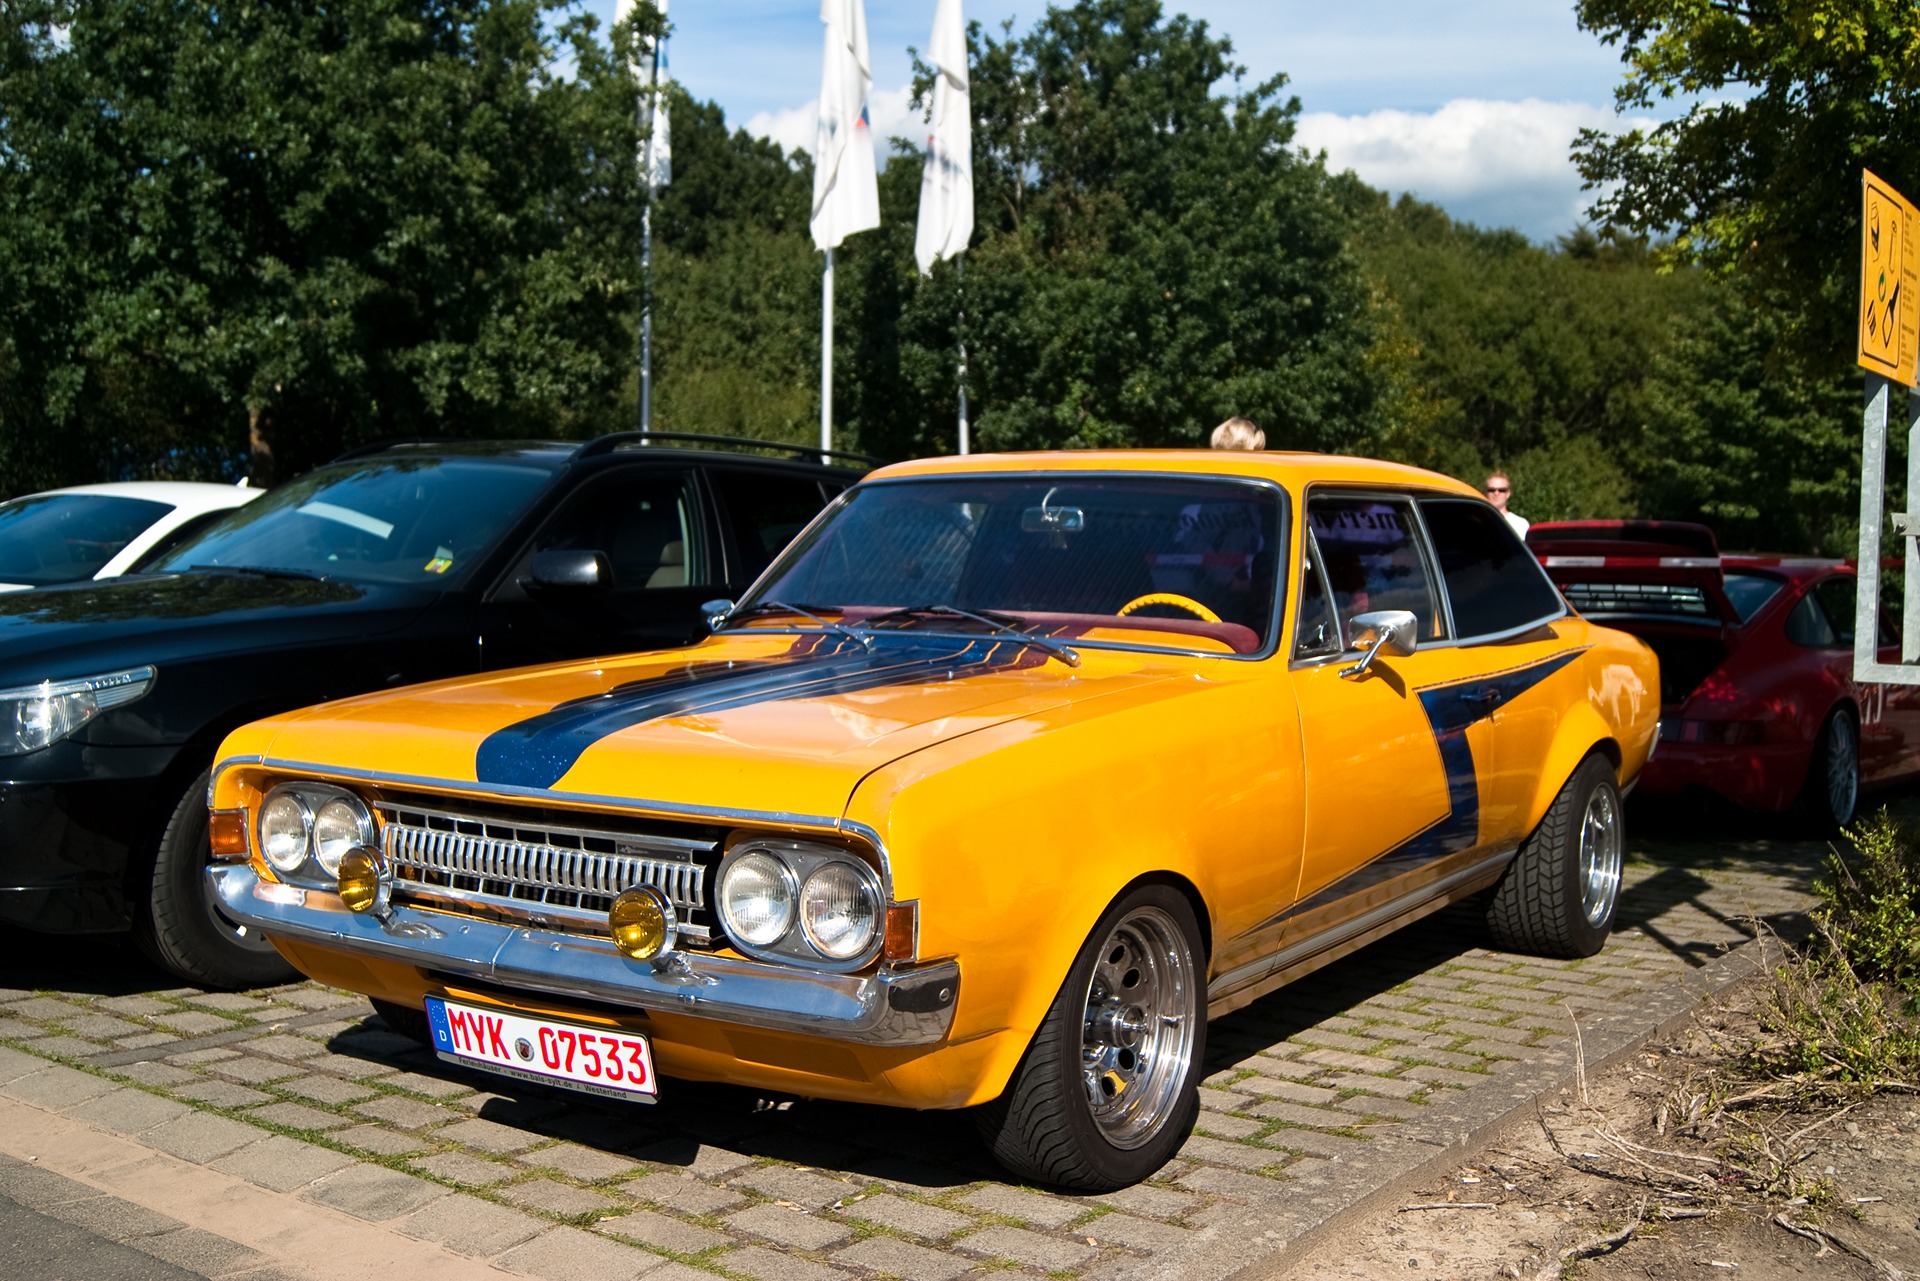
(1499, 491)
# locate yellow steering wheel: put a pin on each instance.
(1187, 603)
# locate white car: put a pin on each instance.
(102, 531)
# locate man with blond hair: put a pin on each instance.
(1500, 492)
(1238, 433)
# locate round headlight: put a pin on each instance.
(340, 825)
(756, 900)
(284, 825)
(838, 911)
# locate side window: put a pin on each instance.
(763, 510)
(1807, 625)
(1373, 559)
(1493, 582)
(1317, 633)
(644, 519)
(1838, 600)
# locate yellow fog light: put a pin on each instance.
(642, 923)
(363, 879)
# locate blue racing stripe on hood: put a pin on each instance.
(538, 751)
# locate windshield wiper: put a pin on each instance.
(806, 612)
(1002, 625)
(259, 571)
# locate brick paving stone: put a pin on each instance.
(145, 1041)
(1225, 1079)
(112, 1218)
(46, 1007)
(1135, 1234)
(1373, 1105)
(1341, 1059)
(355, 1069)
(163, 1075)
(193, 1023)
(666, 1233)
(1238, 1156)
(460, 1167)
(1445, 1076)
(903, 1259)
(66, 1047)
(1492, 1032)
(20, 1030)
(321, 1088)
(788, 1227)
(562, 1199)
(56, 1088)
(1445, 1058)
(487, 1136)
(368, 1040)
(434, 1087)
(410, 1114)
(128, 1111)
(1285, 1069)
(1317, 1142)
(320, 998)
(911, 1217)
(683, 1192)
(1387, 1016)
(1030, 1207)
(1392, 1087)
(200, 1137)
(798, 1186)
(132, 1006)
(1232, 1183)
(231, 1002)
(1221, 1126)
(1292, 1091)
(380, 1142)
(202, 1252)
(1295, 1114)
(373, 1192)
(103, 1027)
(249, 1070)
(770, 1265)
(298, 1116)
(281, 1164)
(1331, 1040)
(568, 1254)
(285, 1047)
(1222, 1101)
(1050, 1253)
(703, 1159)
(1496, 1049)
(468, 1225)
(1148, 1198)
(586, 1164)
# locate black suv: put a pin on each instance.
(391, 565)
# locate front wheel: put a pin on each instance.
(1558, 896)
(177, 920)
(1108, 1091)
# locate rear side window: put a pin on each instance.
(1494, 583)
(1373, 560)
(1747, 593)
(764, 510)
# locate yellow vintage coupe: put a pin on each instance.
(1006, 776)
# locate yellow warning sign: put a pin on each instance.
(1889, 283)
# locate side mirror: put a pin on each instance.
(1396, 631)
(570, 570)
(714, 613)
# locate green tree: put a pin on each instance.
(1760, 178)
(304, 226)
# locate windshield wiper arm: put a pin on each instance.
(258, 571)
(1002, 625)
(806, 612)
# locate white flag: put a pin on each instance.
(946, 186)
(846, 188)
(656, 149)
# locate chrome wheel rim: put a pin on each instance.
(1137, 1034)
(1600, 856)
(1843, 769)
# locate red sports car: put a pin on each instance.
(1758, 700)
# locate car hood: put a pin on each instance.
(56, 632)
(770, 724)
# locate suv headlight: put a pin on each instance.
(37, 716)
(787, 900)
(305, 828)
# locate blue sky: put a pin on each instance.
(1468, 103)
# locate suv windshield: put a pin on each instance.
(63, 538)
(1176, 561)
(395, 520)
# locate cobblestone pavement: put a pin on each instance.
(1314, 1097)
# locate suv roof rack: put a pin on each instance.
(389, 442)
(810, 453)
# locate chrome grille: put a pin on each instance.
(537, 868)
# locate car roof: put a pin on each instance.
(177, 493)
(1291, 469)
(556, 453)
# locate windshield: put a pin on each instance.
(1176, 561)
(399, 520)
(64, 538)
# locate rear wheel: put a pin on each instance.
(1831, 796)
(1108, 1092)
(177, 920)
(1559, 895)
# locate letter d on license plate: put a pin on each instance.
(609, 1061)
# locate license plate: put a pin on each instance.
(606, 1061)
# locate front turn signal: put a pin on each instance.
(227, 835)
(903, 932)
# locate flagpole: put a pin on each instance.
(651, 118)
(826, 356)
(960, 287)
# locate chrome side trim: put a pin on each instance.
(887, 1007)
(1333, 936)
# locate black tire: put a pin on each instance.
(1559, 895)
(178, 923)
(1830, 798)
(405, 1020)
(1134, 1003)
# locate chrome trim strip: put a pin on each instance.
(524, 913)
(1335, 934)
(888, 1007)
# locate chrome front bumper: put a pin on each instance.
(888, 1007)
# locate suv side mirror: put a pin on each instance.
(1396, 631)
(570, 570)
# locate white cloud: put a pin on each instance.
(888, 114)
(1498, 164)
